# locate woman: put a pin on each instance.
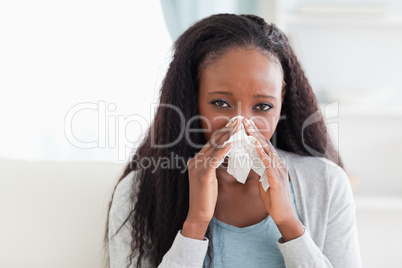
(196, 214)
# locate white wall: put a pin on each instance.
(56, 55)
(354, 58)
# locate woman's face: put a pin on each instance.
(242, 82)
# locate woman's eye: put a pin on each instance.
(264, 107)
(223, 104)
(220, 103)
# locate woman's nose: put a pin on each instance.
(245, 115)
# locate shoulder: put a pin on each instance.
(324, 200)
(121, 203)
(306, 163)
(313, 172)
(119, 231)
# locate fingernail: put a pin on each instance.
(258, 144)
(229, 143)
(228, 123)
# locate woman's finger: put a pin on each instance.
(216, 144)
(267, 145)
(216, 156)
(224, 134)
(215, 136)
(266, 159)
(278, 160)
(252, 130)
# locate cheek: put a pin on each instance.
(211, 127)
(206, 127)
(268, 124)
(204, 119)
(211, 122)
(266, 130)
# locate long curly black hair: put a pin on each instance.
(162, 200)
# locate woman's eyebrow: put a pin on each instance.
(264, 96)
(231, 94)
(221, 92)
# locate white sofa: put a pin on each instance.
(53, 214)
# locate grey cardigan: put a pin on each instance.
(324, 201)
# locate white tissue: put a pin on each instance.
(243, 156)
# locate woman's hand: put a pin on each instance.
(203, 183)
(277, 199)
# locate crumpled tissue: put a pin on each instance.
(243, 157)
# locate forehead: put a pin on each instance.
(243, 69)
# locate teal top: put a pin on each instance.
(250, 246)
